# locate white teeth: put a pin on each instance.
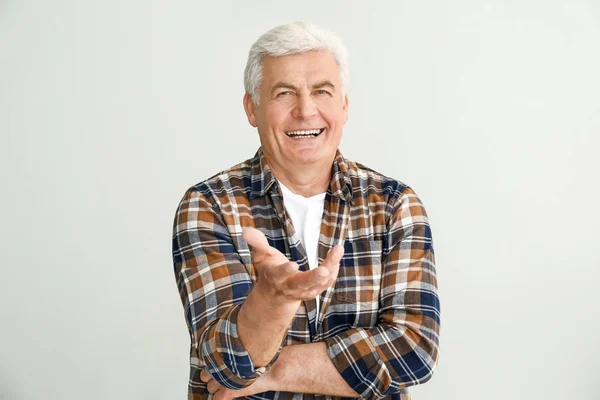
(304, 133)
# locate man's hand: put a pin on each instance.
(262, 384)
(272, 303)
(279, 279)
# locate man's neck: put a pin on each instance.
(307, 181)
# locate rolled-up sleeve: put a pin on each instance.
(402, 349)
(212, 283)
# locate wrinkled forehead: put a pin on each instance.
(300, 69)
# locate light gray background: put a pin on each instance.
(110, 110)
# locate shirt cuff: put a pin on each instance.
(356, 359)
(225, 357)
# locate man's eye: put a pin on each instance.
(321, 91)
(286, 93)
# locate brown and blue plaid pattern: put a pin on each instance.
(381, 319)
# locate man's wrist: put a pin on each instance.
(262, 326)
(259, 310)
(263, 384)
(276, 374)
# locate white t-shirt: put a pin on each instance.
(306, 214)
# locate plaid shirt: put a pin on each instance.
(381, 319)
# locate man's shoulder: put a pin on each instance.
(368, 182)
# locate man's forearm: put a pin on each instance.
(262, 325)
(306, 368)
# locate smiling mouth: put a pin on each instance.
(305, 133)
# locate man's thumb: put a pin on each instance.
(257, 240)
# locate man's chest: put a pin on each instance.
(354, 299)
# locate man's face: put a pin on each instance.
(299, 94)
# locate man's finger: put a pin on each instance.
(332, 261)
(213, 386)
(319, 278)
(223, 394)
(305, 280)
(205, 376)
(334, 256)
(262, 253)
(257, 240)
(277, 275)
(308, 294)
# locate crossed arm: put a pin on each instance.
(304, 368)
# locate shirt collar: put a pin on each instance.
(262, 178)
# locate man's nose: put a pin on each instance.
(305, 107)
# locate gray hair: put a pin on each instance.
(288, 39)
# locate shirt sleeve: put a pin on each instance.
(402, 349)
(213, 283)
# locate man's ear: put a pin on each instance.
(250, 109)
(345, 108)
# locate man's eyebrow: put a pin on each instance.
(283, 85)
(324, 84)
(318, 85)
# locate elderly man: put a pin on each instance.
(303, 274)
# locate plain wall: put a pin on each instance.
(110, 110)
